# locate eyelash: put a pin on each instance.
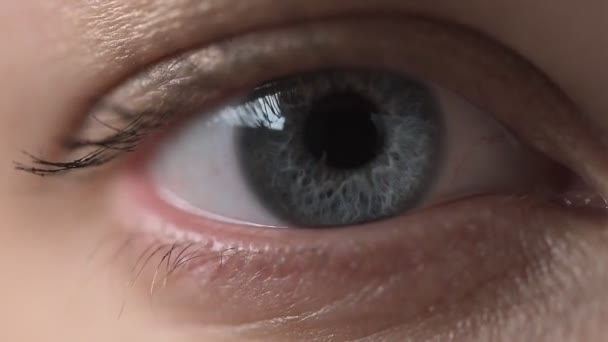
(125, 140)
(138, 127)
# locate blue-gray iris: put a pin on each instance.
(340, 147)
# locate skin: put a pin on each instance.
(65, 277)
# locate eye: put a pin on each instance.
(335, 148)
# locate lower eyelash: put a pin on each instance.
(160, 260)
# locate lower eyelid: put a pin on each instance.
(439, 255)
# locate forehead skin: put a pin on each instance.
(58, 53)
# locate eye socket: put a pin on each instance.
(336, 148)
(455, 149)
(444, 256)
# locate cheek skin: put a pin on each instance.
(572, 288)
(53, 289)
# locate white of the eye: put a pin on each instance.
(198, 171)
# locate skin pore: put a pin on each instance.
(71, 272)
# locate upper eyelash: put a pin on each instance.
(108, 148)
(139, 126)
(126, 139)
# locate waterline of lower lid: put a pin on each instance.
(172, 199)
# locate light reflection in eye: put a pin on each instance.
(265, 114)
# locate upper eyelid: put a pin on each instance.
(127, 33)
(176, 75)
(178, 78)
(513, 77)
(181, 73)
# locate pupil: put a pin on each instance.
(340, 129)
